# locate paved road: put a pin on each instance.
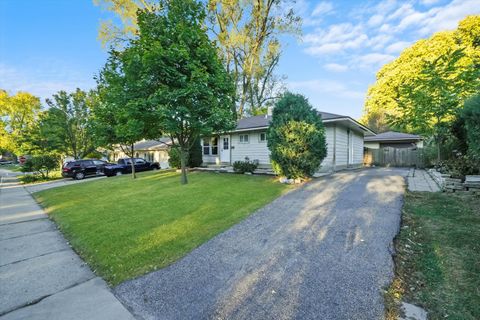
(41, 277)
(320, 252)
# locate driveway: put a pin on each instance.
(319, 252)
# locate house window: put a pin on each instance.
(262, 137)
(244, 138)
(225, 144)
(206, 147)
(214, 146)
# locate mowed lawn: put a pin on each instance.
(124, 228)
(438, 256)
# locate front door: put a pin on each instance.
(225, 149)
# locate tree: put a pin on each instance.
(428, 104)
(384, 96)
(247, 33)
(195, 157)
(67, 124)
(18, 114)
(471, 116)
(171, 78)
(126, 10)
(296, 137)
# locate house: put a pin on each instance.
(393, 139)
(344, 138)
(150, 150)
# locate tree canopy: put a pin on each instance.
(18, 114)
(296, 137)
(383, 106)
(168, 81)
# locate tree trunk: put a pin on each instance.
(439, 157)
(134, 176)
(183, 177)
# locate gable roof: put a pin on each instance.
(263, 121)
(393, 136)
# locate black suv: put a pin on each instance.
(125, 166)
(79, 169)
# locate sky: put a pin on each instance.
(52, 45)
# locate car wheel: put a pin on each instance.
(79, 175)
(118, 173)
(156, 168)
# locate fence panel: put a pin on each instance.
(394, 157)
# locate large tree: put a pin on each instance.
(67, 124)
(429, 103)
(248, 36)
(384, 96)
(171, 74)
(18, 114)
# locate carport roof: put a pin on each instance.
(393, 136)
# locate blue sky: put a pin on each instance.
(52, 45)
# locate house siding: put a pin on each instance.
(357, 148)
(327, 163)
(254, 149)
(341, 149)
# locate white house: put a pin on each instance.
(344, 138)
(150, 150)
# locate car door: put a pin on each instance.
(140, 164)
(99, 164)
(89, 168)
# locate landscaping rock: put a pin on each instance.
(412, 312)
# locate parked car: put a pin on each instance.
(3, 161)
(79, 169)
(124, 166)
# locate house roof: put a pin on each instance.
(262, 121)
(158, 144)
(393, 136)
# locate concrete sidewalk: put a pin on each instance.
(41, 277)
(420, 180)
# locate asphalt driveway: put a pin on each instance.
(319, 252)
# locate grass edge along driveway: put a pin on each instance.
(437, 261)
(125, 228)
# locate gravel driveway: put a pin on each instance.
(319, 252)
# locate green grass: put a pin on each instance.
(438, 256)
(124, 228)
(37, 178)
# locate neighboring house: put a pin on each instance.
(344, 138)
(393, 139)
(150, 150)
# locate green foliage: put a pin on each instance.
(18, 114)
(428, 103)
(414, 65)
(174, 158)
(245, 166)
(41, 165)
(169, 80)
(471, 117)
(296, 137)
(195, 158)
(459, 166)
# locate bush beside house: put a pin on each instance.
(296, 137)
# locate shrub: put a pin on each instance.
(460, 166)
(245, 166)
(296, 137)
(195, 154)
(174, 158)
(41, 166)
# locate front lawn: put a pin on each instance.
(437, 264)
(124, 228)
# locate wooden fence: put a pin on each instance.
(394, 157)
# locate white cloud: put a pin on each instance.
(326, 86)
(428, 2)
(372, 60)
(335, 39)
(397, 47)
(322, 8)
(375, 20)
(335, 67)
